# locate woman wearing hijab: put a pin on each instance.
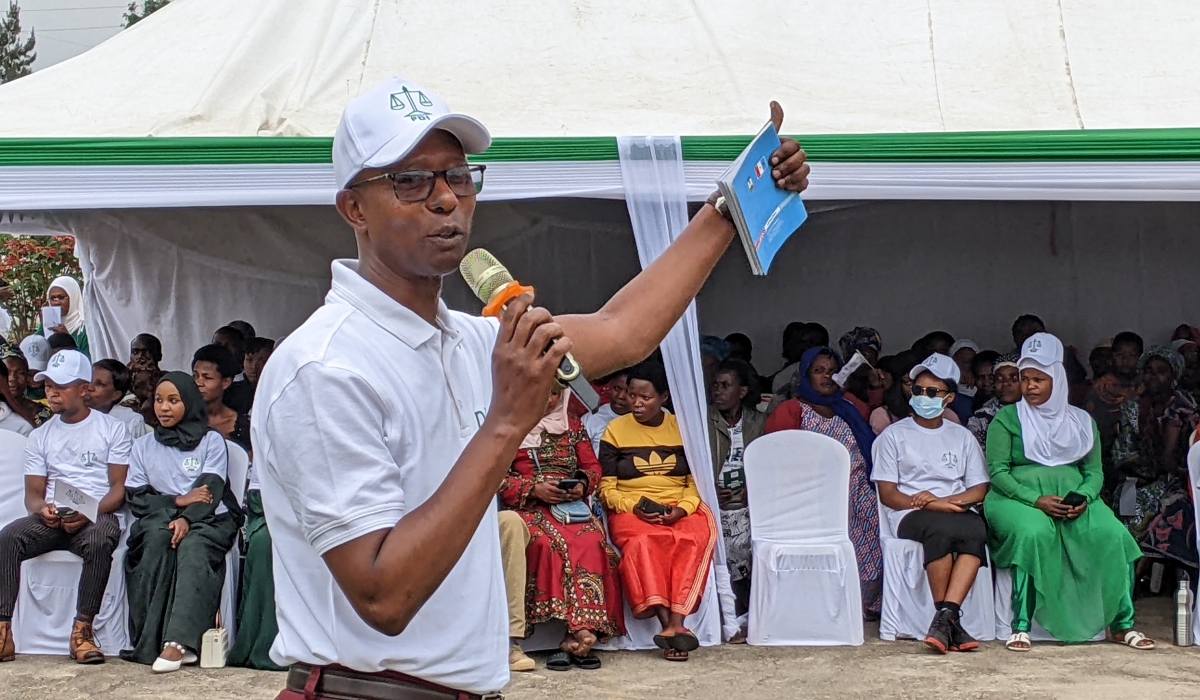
(64, 293)
(665, 532)
(572, 569)
(821, 407)
(1152, 497)
(1071, 564)
(187, 521)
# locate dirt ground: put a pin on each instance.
(877, 670)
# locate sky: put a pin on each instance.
(66, 28)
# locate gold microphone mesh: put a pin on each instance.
(483, 273)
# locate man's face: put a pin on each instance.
(67, 398)
(618, 392)
(727, 392)
(1125, 359)
(139, 354)
(253, 366)
(18, 375)
(412, 240)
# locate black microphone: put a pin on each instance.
(495, 286)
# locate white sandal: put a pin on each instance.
(1133, 639)
(1019, 638)
(162, 665)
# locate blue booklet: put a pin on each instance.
(765, 215)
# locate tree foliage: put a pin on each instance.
(16, 56)
(133, 15)
(29, 264)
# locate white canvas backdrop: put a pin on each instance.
(1089, 269)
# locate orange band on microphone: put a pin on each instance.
(501, 298)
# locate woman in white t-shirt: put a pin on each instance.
(111, 381)
(930, 472)
(187, 522)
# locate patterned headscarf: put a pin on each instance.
(859, 339)
(1167, 353)
(712, 345)
(8, 351)
(1009, 360)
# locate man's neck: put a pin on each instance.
(732, 417)
(75, 415)
(419, 295)
(929, 423)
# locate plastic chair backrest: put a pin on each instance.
(12, 477)
(798, 486)
(239, 466)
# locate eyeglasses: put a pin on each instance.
(929, 391)
(417, 185)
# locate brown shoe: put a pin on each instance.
(84, 649)
(8, 648)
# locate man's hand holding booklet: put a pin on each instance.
(765, 216)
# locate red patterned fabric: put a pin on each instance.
(572, 569)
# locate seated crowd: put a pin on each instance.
(1016, 459)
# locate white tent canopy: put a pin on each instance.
(189, 155)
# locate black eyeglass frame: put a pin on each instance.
(433, 176)
(924, 391)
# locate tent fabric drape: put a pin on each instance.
(656, 195)
(45, 188)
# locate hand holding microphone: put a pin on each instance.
(529, 348)
(495, 286)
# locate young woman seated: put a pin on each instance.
(656, 518)
(187, 521)
(930, 472)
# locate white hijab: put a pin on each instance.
(73, 319)
(1054, 433)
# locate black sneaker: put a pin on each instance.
(960, 639)
(939, 635)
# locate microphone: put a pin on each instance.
(495, 286)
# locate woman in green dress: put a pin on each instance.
(187, 521)
(1071, 565)
(257, 625)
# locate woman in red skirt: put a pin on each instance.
(572, 568)
(664, 531)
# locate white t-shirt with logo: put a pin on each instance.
(944, 462)
(358, 418)
(78, 453)
(134, 422)
(173, 472)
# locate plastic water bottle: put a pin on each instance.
(1183, 614)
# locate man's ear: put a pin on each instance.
(349, 205)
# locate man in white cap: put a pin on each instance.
(930, 472)
(79, 449)
(385, 424)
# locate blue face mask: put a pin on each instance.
(927, 407)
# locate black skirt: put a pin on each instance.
(946, 533)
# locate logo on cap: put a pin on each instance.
(410, 100)
(58, 360)
(1034, 345)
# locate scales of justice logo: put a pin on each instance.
(412, 100)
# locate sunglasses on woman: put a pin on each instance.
(929, 391)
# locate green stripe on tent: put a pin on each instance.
(976, 147)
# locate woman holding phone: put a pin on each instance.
(1071, 559)
(664, 531)
(572, 569)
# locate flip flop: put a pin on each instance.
(684, 640)
(662, 642)
(675, 655)
(591, 662)
(559, 661)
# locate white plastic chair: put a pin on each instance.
(908, 605)
(1194, 470)
(804, 590)
(239, 468)
(45, 610)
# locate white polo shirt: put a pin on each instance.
(358, 419)
(944, 462)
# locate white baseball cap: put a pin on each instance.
(940, 365)
(381, 127)
(36, 350)
(67, 367)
